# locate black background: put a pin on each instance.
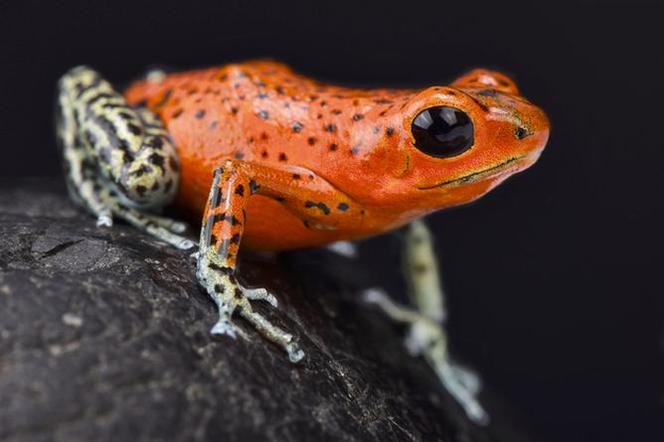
(554, 277)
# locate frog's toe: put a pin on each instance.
(178, 227)
(105, 220)
(165, 235)
(464, 386)
(173, 225)
(174, 228)
(185, 244)
(275, 334)
(224, 327)
(468, 378)
(260, 294)
(295, 353)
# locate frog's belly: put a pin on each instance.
(270, 225)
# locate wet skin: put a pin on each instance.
(273, 160)
(368, 176)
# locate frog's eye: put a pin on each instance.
(442, 131)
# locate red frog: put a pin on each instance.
(275, 161)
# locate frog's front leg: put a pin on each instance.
(223, 224)
(426, 335)
(120, 161)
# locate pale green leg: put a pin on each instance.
(426, 335)
(119, 160)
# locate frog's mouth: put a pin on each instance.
(482, 174)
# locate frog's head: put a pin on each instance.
(459, 142)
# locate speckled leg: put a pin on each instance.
(223, 225)
(119, 161)
(426, 335)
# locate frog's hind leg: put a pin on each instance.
(426, 335)
(80, 170)
(119, 160)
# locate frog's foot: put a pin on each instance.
(162, 228)
(426, 337)
(105, 217)
(106, 206)
(230, 297)
(170, 224)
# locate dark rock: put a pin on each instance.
(104, 336)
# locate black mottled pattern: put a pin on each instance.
(320, 205)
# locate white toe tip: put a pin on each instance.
(373, 295)
(186, 244)
(178, 227)
(223, 328)
(295, 354)
(272, 300)
(104, 221)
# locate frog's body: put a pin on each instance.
(355, 140)
(279, 161)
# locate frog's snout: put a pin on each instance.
(501, 100)
(527, 125)
(532, 131)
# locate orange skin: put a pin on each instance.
(356, 142)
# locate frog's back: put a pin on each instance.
(226, 111)
(259, 111)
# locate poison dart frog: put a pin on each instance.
(273, 160)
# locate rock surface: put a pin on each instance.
(104, 337)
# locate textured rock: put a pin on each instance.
(104, 336)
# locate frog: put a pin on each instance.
(271, 159)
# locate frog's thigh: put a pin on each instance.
(130, 146)
(119, 160)
(80, 169)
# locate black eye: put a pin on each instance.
(443, 131)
